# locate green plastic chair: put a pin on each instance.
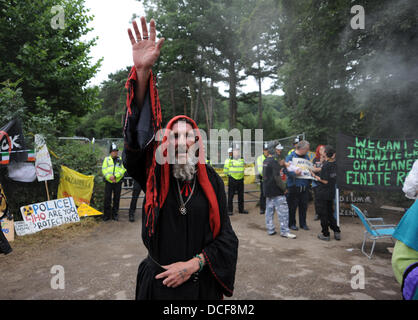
(374, 232)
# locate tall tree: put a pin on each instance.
(52, 62)
(258, 35)
(339, 79)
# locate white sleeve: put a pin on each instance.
(410, 187)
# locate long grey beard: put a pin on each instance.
(184, 172)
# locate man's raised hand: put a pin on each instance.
(144, 49)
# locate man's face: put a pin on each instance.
(266, 153)
(303, 151)
(236, 154)
(183, 137)
(278, 152)
(114, 153)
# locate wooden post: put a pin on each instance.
(46, 186)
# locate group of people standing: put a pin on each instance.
(284, 188)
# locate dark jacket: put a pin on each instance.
(273, 185)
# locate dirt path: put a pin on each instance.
(102, 263)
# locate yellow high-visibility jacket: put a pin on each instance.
(110, 168)
(234, 168)
(259, 165)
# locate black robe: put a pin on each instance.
(177, 237)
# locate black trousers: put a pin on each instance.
(316, 200)
(235, 186)
(115, 189)
(326, 214)
(262, 198)
(297, 198)
(135, 194)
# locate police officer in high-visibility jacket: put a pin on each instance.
(234, 168)
(113, 172)
(259, 174)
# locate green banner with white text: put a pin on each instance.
(374, 163)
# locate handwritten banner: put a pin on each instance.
(304, 165)
(76, 185)
(371, 163)
(45, 215)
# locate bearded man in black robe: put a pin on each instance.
(192, 248)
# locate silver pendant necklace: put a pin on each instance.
(182, 209)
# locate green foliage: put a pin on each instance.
(52, 65)
(12, 105)
(107, 121)
(332, 74)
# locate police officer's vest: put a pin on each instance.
(260, 161)
(235, 168)
(113, 168)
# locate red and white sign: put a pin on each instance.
(43, 163)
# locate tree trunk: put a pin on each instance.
(260, 104)
(185, 107)
(210, 106)
(260, 94)
(199, 94)
(205, 107)
(233, 105)
(173, 103)
(192, 94)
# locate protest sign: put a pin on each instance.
(76, 185)
(12, 143)
(45, 215)
(7, 228)
(374, 164)
(43, 164)
(86, 211)
(304, 165)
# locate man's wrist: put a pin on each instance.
(195, 264)
(143, 74)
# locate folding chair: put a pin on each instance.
(374, 231)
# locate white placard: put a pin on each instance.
(43, 164)
(45, 215)
(304, 165)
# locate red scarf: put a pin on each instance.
(155, 197)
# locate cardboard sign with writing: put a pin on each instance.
(86, 211)
(304, 165)
(7, 228)
(45, 215)
(374, 164)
